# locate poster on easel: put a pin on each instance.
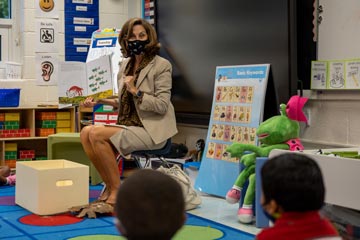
(237, 111)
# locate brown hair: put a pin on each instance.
(152, 48)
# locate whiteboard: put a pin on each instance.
(339, 30)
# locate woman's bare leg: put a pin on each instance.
(100, 151)
(89, 150)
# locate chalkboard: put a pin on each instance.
(196, 36)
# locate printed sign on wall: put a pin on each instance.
(48, 34)
(46, 65)
(81, 20)
(47, 8)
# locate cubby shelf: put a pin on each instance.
(27, 120)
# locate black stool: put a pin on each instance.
(147, 154)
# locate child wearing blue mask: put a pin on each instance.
(293, 192)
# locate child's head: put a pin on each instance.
(150, 205)
(292, 182)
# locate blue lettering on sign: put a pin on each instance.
(104, 42)
(242, 72)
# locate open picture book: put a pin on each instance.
(78, 80)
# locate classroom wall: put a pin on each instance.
(334, 118)
(113, 13)
(333, 115)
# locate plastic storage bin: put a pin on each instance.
(9, 97)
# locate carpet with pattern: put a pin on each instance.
(20, 224)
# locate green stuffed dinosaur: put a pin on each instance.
(278, 132)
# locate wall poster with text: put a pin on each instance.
(237, 111)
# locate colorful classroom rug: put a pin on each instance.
(20, 224)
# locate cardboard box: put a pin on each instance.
(105, 118)
(10, 147)
(10, 163)
(63, 123)
(44, 132)
(45, 116)
(63, 130)
(63, 116)
(27, 154)
(12, 116)
(49, 187)
(25, 132)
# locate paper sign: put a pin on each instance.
(336, 75)
(352, 74)
(47, 35)
(319, 71)
(46, 65)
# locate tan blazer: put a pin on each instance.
(155, 111)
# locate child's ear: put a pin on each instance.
(272, 207)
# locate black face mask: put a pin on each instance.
(137, 47)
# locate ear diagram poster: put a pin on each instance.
(46, 65)
(237, 110)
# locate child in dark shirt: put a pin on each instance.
(293, 192)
